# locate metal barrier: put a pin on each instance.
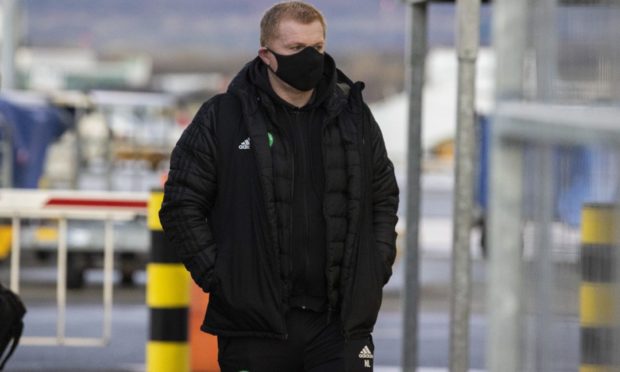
(63, 206)
(598, 301)
(168, 299)
(555, 140)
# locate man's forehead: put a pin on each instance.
(290, 31)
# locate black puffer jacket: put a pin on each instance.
(224, 211)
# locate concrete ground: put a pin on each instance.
(126, 350)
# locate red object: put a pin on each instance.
(203, 346)
(66, 202)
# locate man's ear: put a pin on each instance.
(263, 53)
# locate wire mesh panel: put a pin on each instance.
(555, 187)
(568, 313)
(553, 230)
(571, 51)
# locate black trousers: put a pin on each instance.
(312, 345)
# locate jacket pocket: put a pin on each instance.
(366, 292)
(384, 268)
(247, 299)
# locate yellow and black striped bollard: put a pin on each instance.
(168, 299)
(598, 317)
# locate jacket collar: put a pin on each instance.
(340, 93)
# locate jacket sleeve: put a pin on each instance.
(189, 195)
(384, 196)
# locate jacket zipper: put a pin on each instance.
(288, 290)
(291, 144)
(305, 170)
(330, 309)
(288, 146)
(363, 162)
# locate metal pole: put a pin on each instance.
(504, 228)
(416, 55)
(6, 155)
(614, 61)
(15, 253)
(543, 241)
(545, 44)
(9, 16)
(168, 298)
(509, 40)
(61, 285)
(108, 279)
(505, 202)
(467, 43)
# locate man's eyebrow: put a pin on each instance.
(294, 45)
(297, 44)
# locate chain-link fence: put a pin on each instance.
(572, 54)
(555, 187)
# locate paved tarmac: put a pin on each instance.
(126, 350)
(130, 323)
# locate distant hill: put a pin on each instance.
(220, 26)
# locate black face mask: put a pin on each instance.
(302, 70)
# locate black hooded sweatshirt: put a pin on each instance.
(301, 127)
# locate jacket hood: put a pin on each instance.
(333, 92)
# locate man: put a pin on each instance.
(281, 202)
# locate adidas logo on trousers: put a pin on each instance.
(366, 355)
